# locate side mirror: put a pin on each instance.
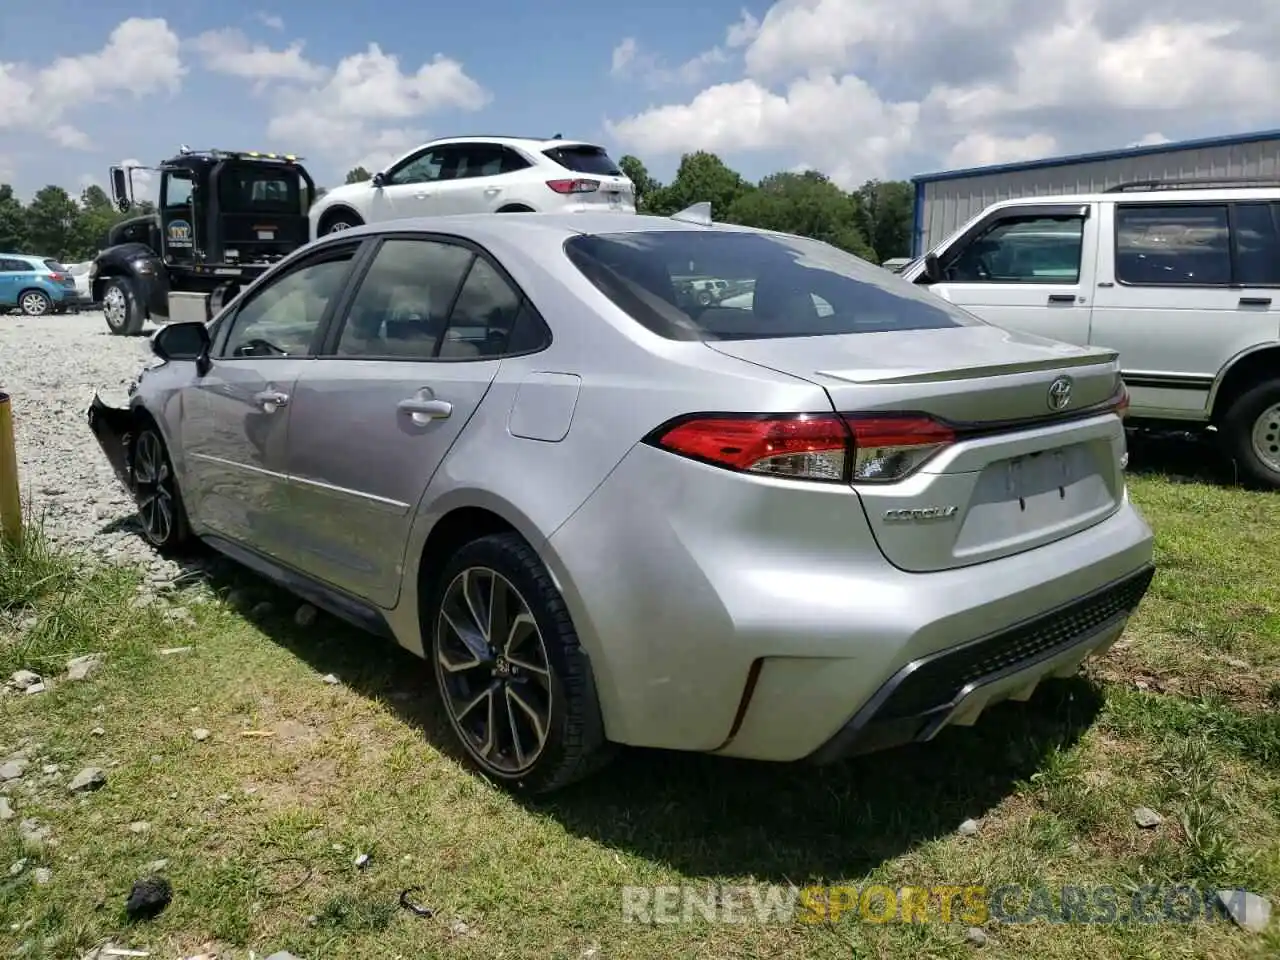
(378, 179)
(932, 269)
(182, 341)
(120, 189)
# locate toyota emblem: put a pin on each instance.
(1060, 393)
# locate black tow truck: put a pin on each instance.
(223, 218)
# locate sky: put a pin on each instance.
(854, 88)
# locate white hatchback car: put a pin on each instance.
(481, 175)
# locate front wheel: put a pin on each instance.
(1251, 432)
(338, 222)
(515, 682)
(121, 309)
(35, 303)
(160, 510)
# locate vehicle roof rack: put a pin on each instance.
(215, 153)
(1195, 183)
(699, 213)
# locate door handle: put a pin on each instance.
(269, 400)
(1255, 301)
(1062, 298)
(422, 196)
(423, 410)
(492, 191)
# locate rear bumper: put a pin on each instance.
(954, 686)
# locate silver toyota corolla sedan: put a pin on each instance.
(835, 516)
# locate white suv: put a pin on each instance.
(480, 175)
(1182, 280)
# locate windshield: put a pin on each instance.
(259, 188)
(736, 285)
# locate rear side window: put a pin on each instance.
(736, 285)
(1173, 245)
(585, 159)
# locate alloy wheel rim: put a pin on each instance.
(154, 482)
(339, 226)
(494, 672)
(113, 306)
(34, 304)
(1266, 437)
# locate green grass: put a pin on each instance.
(261, 822)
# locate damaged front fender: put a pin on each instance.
(113, 427)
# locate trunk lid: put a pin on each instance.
(1020, 474)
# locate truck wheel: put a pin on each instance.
(1251, 432)
(338, 221)
(121, 309)
(34, 303)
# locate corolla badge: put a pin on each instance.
(1060, 393)
(922, 513)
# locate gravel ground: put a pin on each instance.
(51, 368)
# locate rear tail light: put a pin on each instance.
(58, 277)
(1120, 402)
(574, 186)
(823, 447)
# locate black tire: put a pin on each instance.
(574, 745)
(121, 309)
(1251, 434)
(516, 208)
(704, 298)
(34, 303)
(339, 220)
(161, 512)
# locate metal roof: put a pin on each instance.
(1125, 153)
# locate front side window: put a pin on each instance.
(770, 286)
(177, 190)
(1187, 244)
(1021, 250)
(283, 318)
(424, 168)
(402, 306)
(1257, 240)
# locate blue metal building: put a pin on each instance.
(945, 201)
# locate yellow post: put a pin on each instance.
(10, 502)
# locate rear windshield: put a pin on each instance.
(255, 188)
(735, 285)
(585, 159)
(55, 267)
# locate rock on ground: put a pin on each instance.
(52, 366)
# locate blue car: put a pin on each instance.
(35, 285)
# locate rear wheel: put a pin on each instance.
(338, 221)
(1251, 432)
(34, 303)
(160, 509)
(121, 309)
(514, 680)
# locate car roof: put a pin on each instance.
(29, 257)
(536, 143)
(481, 227)
(1165, 196)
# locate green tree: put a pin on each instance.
(807, 204)
(888, 209)
(97, 216)
(640, 178)
(13, 221)
(701, 177)
(53, 221)
(358, 175)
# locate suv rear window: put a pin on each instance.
(585, 159)
(55, 267)
(737, 285)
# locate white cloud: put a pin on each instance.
(143, 180)
(853, 88)
(1151, 140)
(269, 20)
(140, 58)
(982, 149)
(630, 60)
(367, 99)
(231, 53)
